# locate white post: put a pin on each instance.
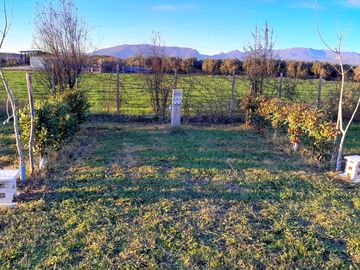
(176, 108)
(32, 116)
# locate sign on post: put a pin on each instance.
(176, 108)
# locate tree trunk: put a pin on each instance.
(16, 128)
(296, 147)
(339, 155)
(32, 116)
(275, 134)
(42, 163)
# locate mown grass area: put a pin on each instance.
(217, 197)
(7, 143)
(201, 92)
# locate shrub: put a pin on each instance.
(56, 120)
(301, 123)
(77, 102)
(275, 111)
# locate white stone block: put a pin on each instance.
(7, 196)
(7, 184)
(352, 171)
(8, 187)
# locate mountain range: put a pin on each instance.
(298, 54)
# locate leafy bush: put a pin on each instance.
(275, 111)
(56, 120)
(301, 123)
(77, 102)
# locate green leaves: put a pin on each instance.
(56, 120)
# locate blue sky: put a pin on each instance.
(209, 26)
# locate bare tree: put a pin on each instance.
(157, 82)
(63, 37)
(11, 98)
(258, 62)
(340, 125)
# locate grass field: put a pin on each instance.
(201, 92)
(218, 197)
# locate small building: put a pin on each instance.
(34, 58)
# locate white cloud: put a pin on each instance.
(173, 7)
(305, 4)
(353, 3)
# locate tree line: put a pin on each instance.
(288, 68)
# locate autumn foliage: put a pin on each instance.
(302, 124)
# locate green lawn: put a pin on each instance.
(7, 143)
(221, 197)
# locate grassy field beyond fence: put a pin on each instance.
(202, 94)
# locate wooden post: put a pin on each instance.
(176, 108)
(53, 80)
(281, 85)
(118, 101)
(16, 128)
(232, 102)
(32, 117)
(318, 100)
(176, 79)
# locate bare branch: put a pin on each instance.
(319, 32)
(7, 23)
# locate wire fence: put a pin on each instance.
(204, 96)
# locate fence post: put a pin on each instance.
(232, 102)
(53, 79)
(318, 100)
(118, 101)
(281, 85)
(175, 79)
(32, 116)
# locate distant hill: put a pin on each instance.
(308, 54)
(299, 54)
(125, 51)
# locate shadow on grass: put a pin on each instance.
(210, 151)
(153, 190)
